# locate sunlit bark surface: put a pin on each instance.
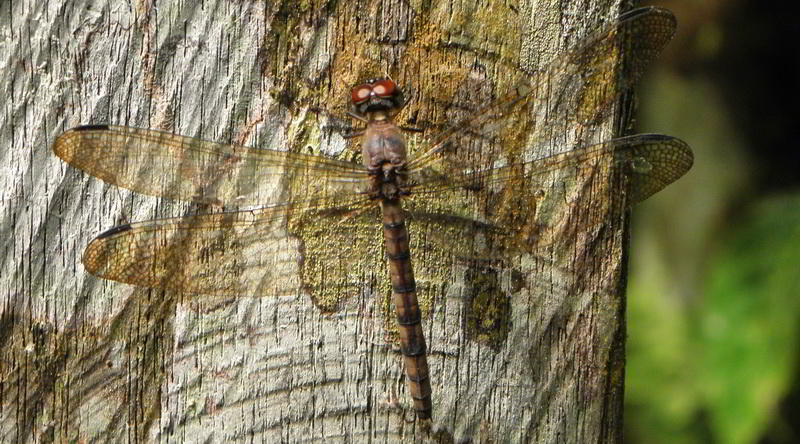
(527, 348)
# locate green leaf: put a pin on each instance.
(751, 320)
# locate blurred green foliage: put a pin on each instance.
(714, 370)
(713, 307)
(750, 320)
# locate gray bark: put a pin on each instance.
(86, 359)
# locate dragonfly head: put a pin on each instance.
(377, 96)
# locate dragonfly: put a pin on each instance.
(469, 192)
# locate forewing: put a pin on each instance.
(529, 204)
(247, 253)
(162, 164)
(579, 87)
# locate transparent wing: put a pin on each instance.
(263, 252)
(578, 87)
(162, 164)
(516, 205)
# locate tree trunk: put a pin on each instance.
(87, 359)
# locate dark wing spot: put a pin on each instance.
(113, 231)
(91, 128)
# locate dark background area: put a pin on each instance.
(713, 306)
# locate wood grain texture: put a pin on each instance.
(86, 359)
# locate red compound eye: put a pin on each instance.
(384, 88)
(360, 93)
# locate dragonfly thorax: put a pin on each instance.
(388, 182)
(382, 143)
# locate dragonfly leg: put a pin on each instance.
(412, 129)
(353, 134)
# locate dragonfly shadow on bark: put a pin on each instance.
(87, 362)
